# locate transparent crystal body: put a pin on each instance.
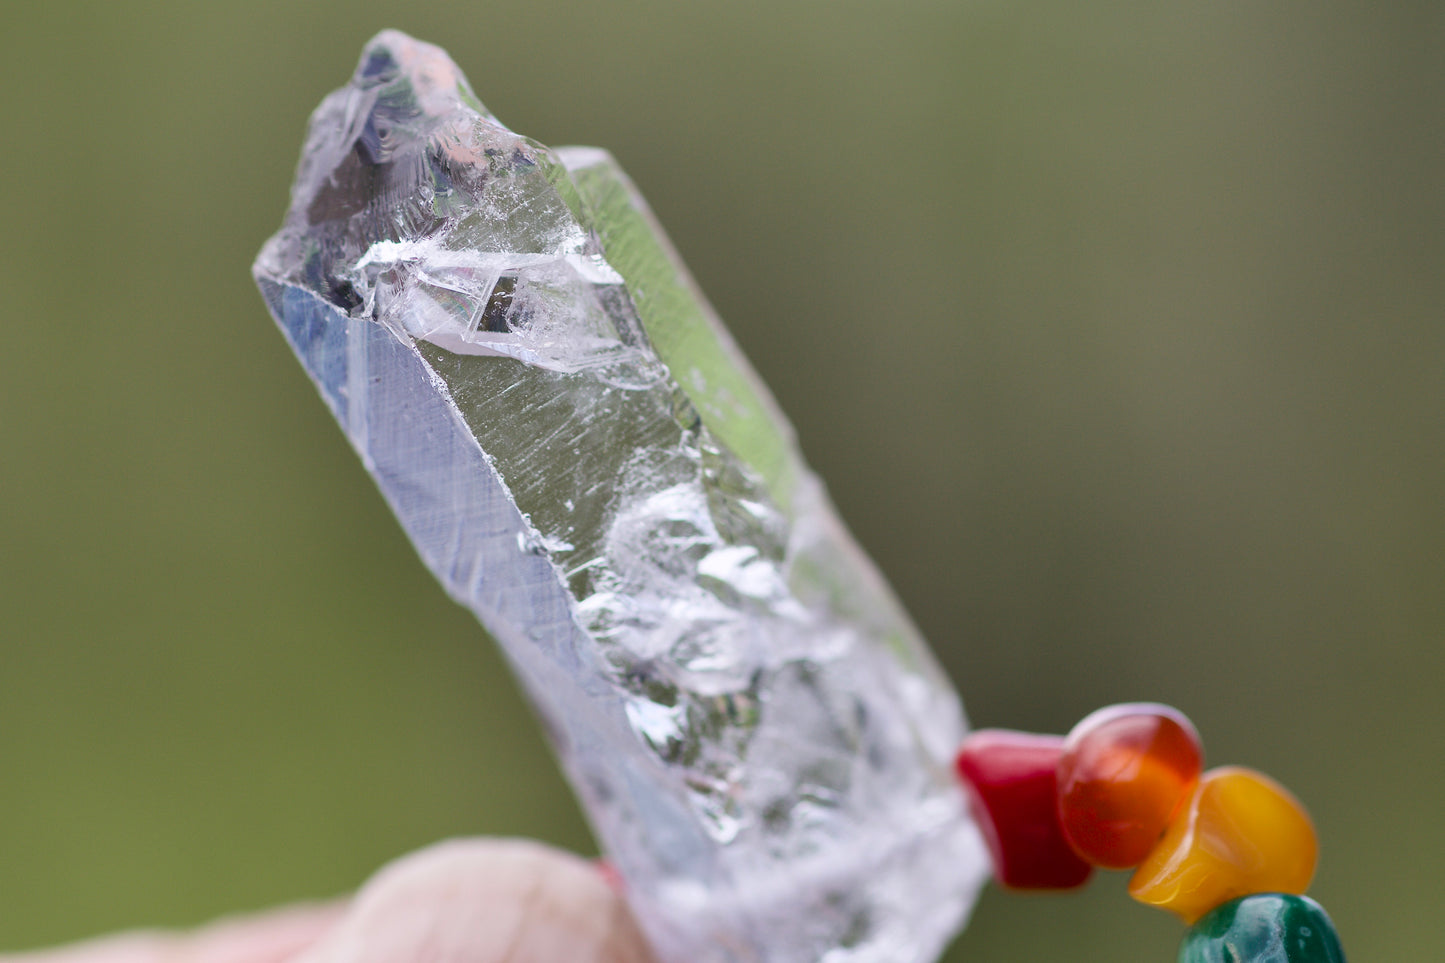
(580, 454)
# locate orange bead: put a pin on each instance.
(1124, 772)
(1240, 833)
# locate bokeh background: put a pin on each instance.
(1115, 328)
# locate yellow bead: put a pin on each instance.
(1240, 833)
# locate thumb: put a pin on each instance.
(484, 901)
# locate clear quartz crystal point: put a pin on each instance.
(584, 459)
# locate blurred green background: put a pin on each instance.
(1116, 330)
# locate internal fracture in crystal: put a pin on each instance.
(583, 458)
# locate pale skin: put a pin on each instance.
(464, 901)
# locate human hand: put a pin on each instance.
(464, 901)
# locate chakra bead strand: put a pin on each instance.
(1229, 851)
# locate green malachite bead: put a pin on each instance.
(1264, 928)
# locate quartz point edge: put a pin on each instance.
(580, 454)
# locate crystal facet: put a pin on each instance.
(583, 458)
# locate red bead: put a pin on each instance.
(1011, 779)
(1125, 771)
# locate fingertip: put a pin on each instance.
(486, 901)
